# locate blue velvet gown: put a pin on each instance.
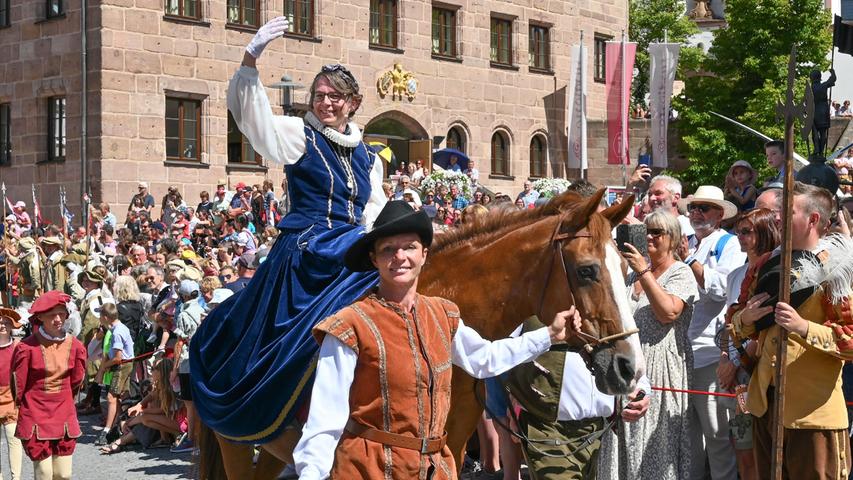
(252, 360)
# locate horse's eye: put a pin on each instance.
(588, 273)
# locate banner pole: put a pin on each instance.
(623, 113)
(582, 110)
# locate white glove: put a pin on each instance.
(269, 32)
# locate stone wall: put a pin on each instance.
(136, 54)
(39, 59)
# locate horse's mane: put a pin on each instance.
(499, 220)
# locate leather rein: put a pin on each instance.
(591, 342)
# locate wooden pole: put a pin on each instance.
(790, 110)
(7, 273)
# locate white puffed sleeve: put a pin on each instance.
(280, 139)
(377, 196)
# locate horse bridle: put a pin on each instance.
(591, 342)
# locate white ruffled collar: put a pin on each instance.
(349, 140)
(50, 337)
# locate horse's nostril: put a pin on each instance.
(624, 367)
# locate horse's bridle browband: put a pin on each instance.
(591, 342)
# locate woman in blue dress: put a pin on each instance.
(251, 360)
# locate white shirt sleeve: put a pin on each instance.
(377, 196)
(483, 359)
(280, 139)
(329, 412)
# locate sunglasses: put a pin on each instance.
(744, 231)
(655, 232)
(702, 207)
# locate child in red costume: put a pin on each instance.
(48, 368)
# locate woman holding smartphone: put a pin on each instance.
(662, 294)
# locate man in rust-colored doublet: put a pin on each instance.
(419, 401)
(48, 367)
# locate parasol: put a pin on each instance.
(384, 151)
(442, 158)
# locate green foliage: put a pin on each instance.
(649, 19)
(743, 77)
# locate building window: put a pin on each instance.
(183, 129)
(5, 134)
(443, 32)
(239, 148)
(243, 12)
(300, 15)
(5, 21)
(500, 154)
(538, 157)
(501, 47)
(456, 139)
(54, 8)
(600, 56)
(383, 23)
(183, 8)
(539, 48)
(56, 129)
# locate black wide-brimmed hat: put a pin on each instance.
(395, 218)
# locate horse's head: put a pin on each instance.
(592, 267)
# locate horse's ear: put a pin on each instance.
(586, 209)
(618, 211)
(558, 203)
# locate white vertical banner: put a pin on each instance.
(663, 60)
(576, 110)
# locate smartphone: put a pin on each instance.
(645, 159)
(635, 234)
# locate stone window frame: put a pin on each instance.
(5, 134)
(542, 166)
(57, 128)
(497, 20)
(244, 143)
(453, 12)
(199, 100)
(5, 13)
(377, 11)
(54, 9)
(450, 142)
(240, 21)
(504, 137)
(297, 13)
(533, 43)
(599, 56)
(181, 14)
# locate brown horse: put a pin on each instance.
(501, 270)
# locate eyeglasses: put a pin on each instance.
(655, 232)
(744, 231)
(702, 207)
(334, 97)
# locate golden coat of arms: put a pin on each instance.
(397, 83)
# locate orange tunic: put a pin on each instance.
(8, 410)
(401, 385)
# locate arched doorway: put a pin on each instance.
(404, 135)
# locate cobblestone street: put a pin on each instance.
(132, 464)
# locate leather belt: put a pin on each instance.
(419, 444)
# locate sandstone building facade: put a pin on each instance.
(490, 79)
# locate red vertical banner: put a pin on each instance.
(618, 72)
